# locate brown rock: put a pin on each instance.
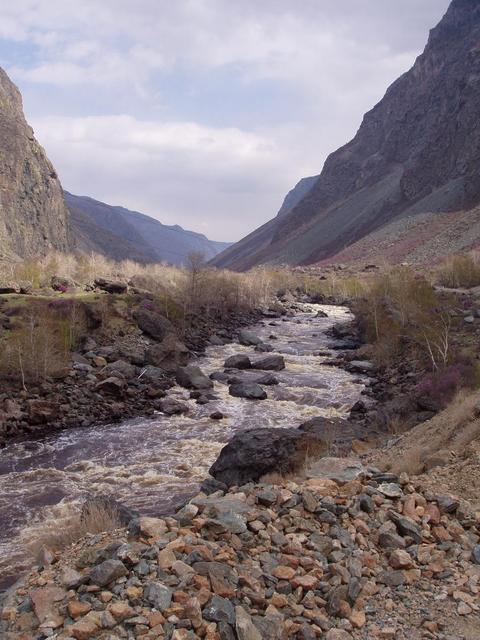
(77, 608)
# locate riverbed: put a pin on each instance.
(152, 464)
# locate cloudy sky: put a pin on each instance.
(203, 113)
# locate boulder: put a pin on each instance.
(41, 411)
(270, 363)
(112, 386)
(62, 283)
(323, 427)
(248, 338)
(238, 361)
(9, 287)
(107, 572)
(153, 324)
(249, 390)
(111, 286)
(192, 377)
(267, 379)
(171, 407)
(168, 355)
(251, 454)
(120, 368)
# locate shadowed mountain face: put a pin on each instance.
(417, 151)
(122, 234)
(33, 215)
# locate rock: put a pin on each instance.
(270, 363)
(400, 559)
(107, 572)
(391, 540)
(390, 490)
(338, 634)
(111, 286)
(437, 459)
(83, 629)
(77, 608)
(244, 626)
(62, 283)
(192, 377)
(72, 579)
(9, 287)
(219, 610)
(44, 599)
(120, 368)
(340, 470)
(476, 554)
(171, 407)
(360, 366)
(147, 527)
(42, 411)
(248, 338)
(158, 595)
(249, 390)
(238, 361)
(217, 415)
(256, 452)
(112, 386)
(447, 504)
(153, 324)
(406, 526)
(168, 355)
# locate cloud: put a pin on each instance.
(203, 112)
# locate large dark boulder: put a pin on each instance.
(168, 354)
(249, 390)
(266, 379)
(111, 286)
(238, 361)
(323, 427)
(153, 323)
(256, 452)
(270, 363)
(192, 377)
(248, 338)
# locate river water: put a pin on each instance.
(151, 464)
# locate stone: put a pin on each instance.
(406, 526)
(244, 626)
(338, 634)
(239, 361)
(44, 598)
(77, 608)
(219, 610)
(42, 411)
(121, 610)
(192, 377)
(83, 630)
(168, 355)
(95, 505)
(152, 323)
(111, 286)
(112, 386)
(400, 559)
(249, 390)
(476, 554)
(147, 527)
(170, 407)
(390, 490)
(158, 595)
(107, 572)
(270, 363)
(248, 338)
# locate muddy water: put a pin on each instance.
(150, 464)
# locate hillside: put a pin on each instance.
(416, 152)
(122, 234)
(33, 216)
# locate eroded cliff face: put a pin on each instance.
(33, 215)
(417, 151)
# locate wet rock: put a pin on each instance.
(153, 324)
(107, 572)
(360, 366)
(238, 361)
(172, 407)
(217, 415)
(256, 452)
(192, 377)
(249, 390)
(270, 363)
(248, 338)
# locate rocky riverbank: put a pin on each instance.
(343, 553)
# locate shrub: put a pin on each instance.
(442, 385)
(460, 272)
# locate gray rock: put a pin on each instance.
(171, 407)
(248, 338)
(158, 595)
(238, 361)
(390, 490)
(192, 377)
(270, 363)
(111, 286)
(406, 526)
(112, 386)
(249, 390)
(152, 323)
(476, 554)
(219, 610)
(107, 572)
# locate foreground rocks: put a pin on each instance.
(311, 559)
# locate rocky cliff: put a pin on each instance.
(416, 151)
(33, 215)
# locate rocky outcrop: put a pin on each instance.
(416, 151)
(33, 215)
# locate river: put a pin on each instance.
(151, 464)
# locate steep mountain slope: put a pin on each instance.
(120, 234)
(33, 215)
(417, 151)
(239, 255)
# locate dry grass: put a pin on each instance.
(460, 271)
(57, 534)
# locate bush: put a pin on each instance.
(460, 272)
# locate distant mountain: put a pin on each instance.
(417, 152)
(33, 215)
(122, 234)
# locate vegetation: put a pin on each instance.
(461, 271)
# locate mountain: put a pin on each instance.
(122, 234)
(33, 215)
(416, 152)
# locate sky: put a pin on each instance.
(203, 113)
